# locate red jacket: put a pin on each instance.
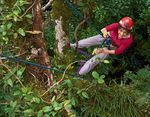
(121, 44)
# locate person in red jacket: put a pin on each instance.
(120, 37)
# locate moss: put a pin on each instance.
(60, 9)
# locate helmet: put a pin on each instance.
(126, 23)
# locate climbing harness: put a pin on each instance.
(105, 43)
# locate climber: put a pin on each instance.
(120, 37)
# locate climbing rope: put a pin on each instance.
(78, 13)
(73, 8)
(35, 64)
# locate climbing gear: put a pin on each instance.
(35, 64)
(87, 55)
(126, 23)
(97, 50)
(105, 34)
(75, 11)
(106, 43)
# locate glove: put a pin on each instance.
(104, 32)
(97, 51)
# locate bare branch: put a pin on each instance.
(28, 9)
(77, 29)
(9, 70)
(47, 5)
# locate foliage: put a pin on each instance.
(110, 101)
(19, 100)
(144, 22)
(49, 34)
(100, 79)
(11, 19)
(77, 97)
(141, 80)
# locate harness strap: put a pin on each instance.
(106, 43)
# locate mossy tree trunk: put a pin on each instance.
(38, 50)
(61, 15)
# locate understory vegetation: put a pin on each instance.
(118, 87)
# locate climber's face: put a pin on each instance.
(122, 33)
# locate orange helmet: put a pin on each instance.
(126, 23)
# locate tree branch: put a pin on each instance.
(77, 29)
(28, 9)
(47, 5)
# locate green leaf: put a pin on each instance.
(24, 90)
(67, 82)
(13, 104)
(15, 35)
(16, 12)
(66, 102)
(9, 74)
(28, 16)
(9, 81)
(106, 61)
(20, 72)
(28, 97)
(54, 113)
(3, 28)
(57, 106)
(79, 91)
(46, 115)
(21, 31)
(95, 74)
(5, 39)
(73, 102)
(81, 4)
(102, 76)
(28, 111)
(40, 113)
(15, 18)
(100, 81)
(17, 92)
(85, 95)
(9, 25)
(47, 109)
(4, 33)
(36, 100)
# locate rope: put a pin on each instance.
(78, 13)
(34, 64)
(73, 8)
(88, 55)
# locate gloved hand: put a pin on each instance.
(97, 51)
(104, 32)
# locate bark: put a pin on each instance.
(38, 51)
(61, 37)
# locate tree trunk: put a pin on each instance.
(38, 51)
(61, 37)
(61, 14)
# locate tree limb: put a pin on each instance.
(77, 28)
(47, 5)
